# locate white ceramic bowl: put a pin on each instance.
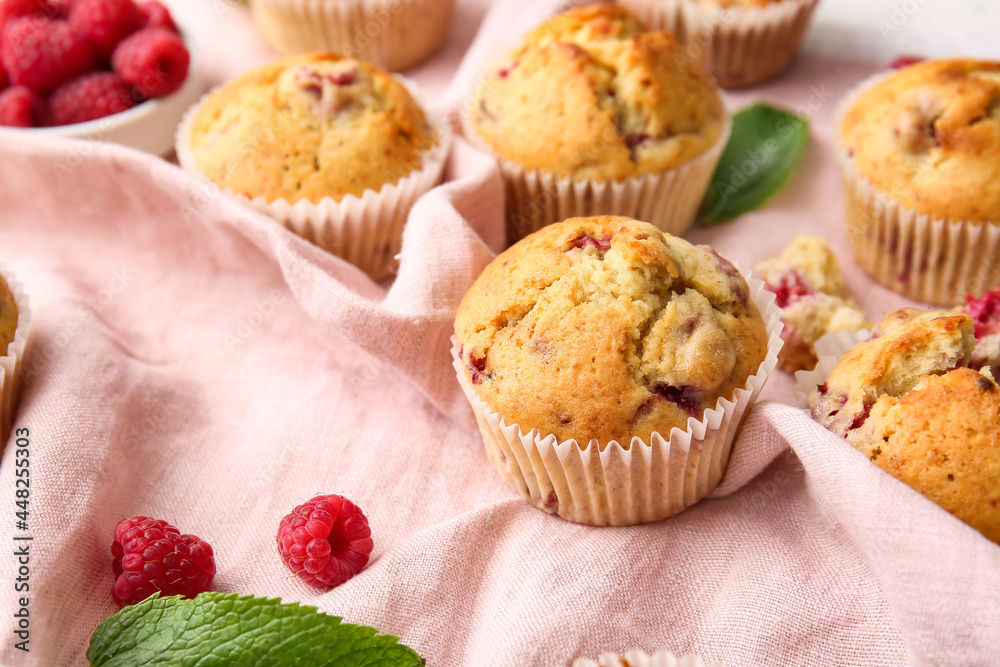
(149, 126)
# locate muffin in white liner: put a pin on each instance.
(641, 659)
(595, 115)
(367, 231)
(395, 34)
(741, 47)
(618, 485)
(668, 199)
(10, 363)
(930, 258)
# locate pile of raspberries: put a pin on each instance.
(70, 61)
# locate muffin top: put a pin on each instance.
(592, 95)
(930, 135)
(8, 317)
(907, 346)
(809, 286)
(942, 438)
(308, 127)
(906, 400)
(605, 329)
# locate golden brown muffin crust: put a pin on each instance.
(930, 135)
(591, 95)
(310, 126)
(8, 317)
(606, 328)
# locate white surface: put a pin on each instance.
(884, 29)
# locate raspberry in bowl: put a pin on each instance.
(114, 70)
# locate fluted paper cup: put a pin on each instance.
(927, 258)
(624, 485)
(10, 363)
(367, 231)
(740, 47)
(669, 199)
(395, 34)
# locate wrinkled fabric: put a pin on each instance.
(194, 361)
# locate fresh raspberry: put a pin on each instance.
(325, 541)
(42, 53)
(20, 107)
(3, 77)
(151, 555)
(89, 97)
(985, 313)
(105, 23)
(154, 60)
(155, 15)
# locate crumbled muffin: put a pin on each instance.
(809, 286)
(985, 314)
(309, 127)
(8, 317)
(590, 95)
(930, 136)
(741, 4)
(906, 347)
(606, 328)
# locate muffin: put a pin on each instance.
(595, 336)
(920, 159)
(809, 287)
(15, 318)
(594, 115)
(397, 34)
(742, 43)
(336, 149)
(908, 401)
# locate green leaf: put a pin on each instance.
(227, 629)
(765, 146)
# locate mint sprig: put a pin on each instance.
(763, 150)
(229, 629)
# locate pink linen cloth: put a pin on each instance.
(193, 361)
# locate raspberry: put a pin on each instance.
(20, 107)
(105, 23)
(89, 97)
(155, 15)
(154, 60)
(151, 555)
(42, 53)
(325, 541)
(3, 77)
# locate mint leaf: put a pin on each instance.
(765, 146)
(229, 629)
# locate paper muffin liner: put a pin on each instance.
(642, 659)
(669, 199)
(367, 231)
(624, 486)
(10, 363)
(933, 259)
(740, 47)
(395, 34)
(829, 349)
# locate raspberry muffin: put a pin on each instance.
(602, 335)
(594, 115)
(742, 43)
(920, 158)
(15, 320)
(336, 149)
(809, 286)
(908, 401)
(396, 35)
